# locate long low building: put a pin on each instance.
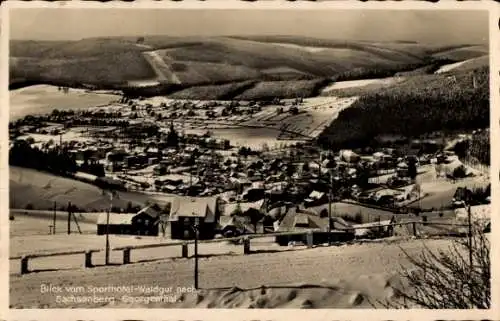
(144, 222)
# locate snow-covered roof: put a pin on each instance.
(115, 219)
(316, 195)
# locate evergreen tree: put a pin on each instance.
(412, 168)
(172, 137)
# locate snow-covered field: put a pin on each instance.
(268, 128)
(305, 48)
(315, 114)
(449, 67)
(255, 138)
(42, 99)
(355, 273)
(359, 83)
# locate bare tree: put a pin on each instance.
(454, 278)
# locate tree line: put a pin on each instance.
(477, 147)
(57, 161)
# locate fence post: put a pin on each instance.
(185, 250)
(88, 259)
(126, 255)
(310, 239)
(24, 265)
(414, 228)
(390, 228)
(246, 245)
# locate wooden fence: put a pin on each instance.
(245, 240)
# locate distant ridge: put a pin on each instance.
(180, 63)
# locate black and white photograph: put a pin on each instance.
(257, 158)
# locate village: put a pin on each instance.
(144, 145)
(326, 158)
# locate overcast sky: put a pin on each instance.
(444, 27)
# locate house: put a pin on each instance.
(248, 212)
(296, 221)
(374, 229)
(159, 170)
(110, 183)
(349, 156)
(385, 196)
(277, 212)
(239, 183)
(116, 156)
(130, 161)
(187, 211)
(316, 198)
(243, 207)
(144, 222)
(278, 194)
(85, 177)
(456, 169)
(230, 226)
(253, 193)
(402, 169)
(153, 160)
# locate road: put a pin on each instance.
(300, 266)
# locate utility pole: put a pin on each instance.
(196, 236)
(107, 228)
(69, 218)
(54, 219)
(330, 210)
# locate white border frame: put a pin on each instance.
(227, 314)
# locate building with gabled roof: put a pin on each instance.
(304, 221)
(144, 222)
(185, 212)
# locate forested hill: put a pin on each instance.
(155, 65)
(420, 104)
